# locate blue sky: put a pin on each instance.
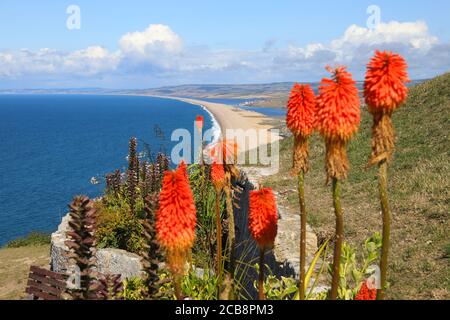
(179, 42)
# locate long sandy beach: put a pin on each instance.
(233, 118)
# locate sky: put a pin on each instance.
(143, 44)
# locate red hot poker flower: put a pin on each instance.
(182, 168)
(365, 293)
(217, 176)
(300, 120)
(338, 114)
(176, 217)
(263, 217)
(301, 110)
(224, 151)
(384, 86)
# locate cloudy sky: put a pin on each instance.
(141, 44)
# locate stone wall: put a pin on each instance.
(109, 261)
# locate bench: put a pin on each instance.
(45, 285)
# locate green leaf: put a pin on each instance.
(310, 271)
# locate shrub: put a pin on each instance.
(117, 227)
(133, 289)
(205, 244)
(122, 216)
(198, 284)
(353, 272)
(32, 239)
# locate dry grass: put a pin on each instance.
(419, 192)
(14, 266)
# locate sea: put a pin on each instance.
(53, 147)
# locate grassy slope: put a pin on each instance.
(14, 266)
(419, 191)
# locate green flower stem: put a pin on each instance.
(177, 284)
(203, 178)
(303, 218)
(339, 238)
(231, 234)
(202, 160)
(219, 240)
(261, 274)
(386, 227)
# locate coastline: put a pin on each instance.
(223, 115)
(232, 118)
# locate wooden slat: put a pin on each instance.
(41, 295)
(45, 284)
(47, 273)
(43, 287)
(61, 285)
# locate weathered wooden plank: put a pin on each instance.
(41, 295)
(43, 287)
(61, 285)
(47, 273)
(44, 284)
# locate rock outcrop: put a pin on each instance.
(109, 261)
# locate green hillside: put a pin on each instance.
(419, 191)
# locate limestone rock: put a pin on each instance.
(58, 259)
(109, 261)
(287, 243)
(115, 261)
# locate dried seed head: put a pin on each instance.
(300, 158)
(336, 160)
(383, 139)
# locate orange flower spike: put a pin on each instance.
(384, 86)
(365, 293)
(338, 115)
(229, 150)
(182, 169)
(384, 92)
(217, 176)
(224, 151)
(301, 110)
(263, 217)
(176, 217)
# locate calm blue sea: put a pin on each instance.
(52, 145)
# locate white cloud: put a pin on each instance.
(415, 34)
(86, 62)
(158, 54)
(91, 61)
(156, 48)
(156, 37)
(356, 46)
